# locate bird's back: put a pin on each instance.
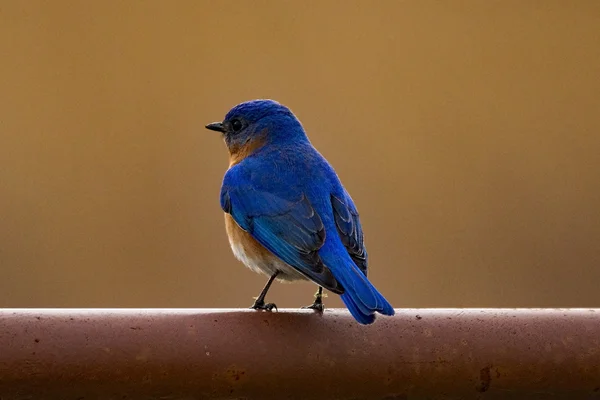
(293, 171)
(290, 170)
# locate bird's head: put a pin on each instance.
(254, 124)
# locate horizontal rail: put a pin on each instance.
(290, 354)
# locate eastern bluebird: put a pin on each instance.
(287, 214)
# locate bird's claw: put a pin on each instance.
(318, 303)
(317, 306)
(263, 306)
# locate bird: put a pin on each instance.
(287, 214)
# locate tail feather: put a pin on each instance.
(358, 314)
(361, 297)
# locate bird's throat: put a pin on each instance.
(238, 153)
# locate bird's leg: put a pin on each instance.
(259, 304)
(318, 304)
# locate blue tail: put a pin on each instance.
(363, 318)
(362, 311)
(361, 297)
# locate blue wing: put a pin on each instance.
(288, 227)
(350, 231)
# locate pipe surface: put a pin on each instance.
(246, 354)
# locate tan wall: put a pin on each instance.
(468, 133)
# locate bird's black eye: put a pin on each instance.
(236, 125)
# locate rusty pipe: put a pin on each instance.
(290, 354)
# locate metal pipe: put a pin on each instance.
(245, 354)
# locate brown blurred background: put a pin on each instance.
(467, 132)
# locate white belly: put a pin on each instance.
(266, 265)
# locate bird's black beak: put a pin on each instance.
(216, 126)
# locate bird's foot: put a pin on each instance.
(318, 304)
(261, 305)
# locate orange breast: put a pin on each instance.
(244, 241)
(255, 256)
(238, 153)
